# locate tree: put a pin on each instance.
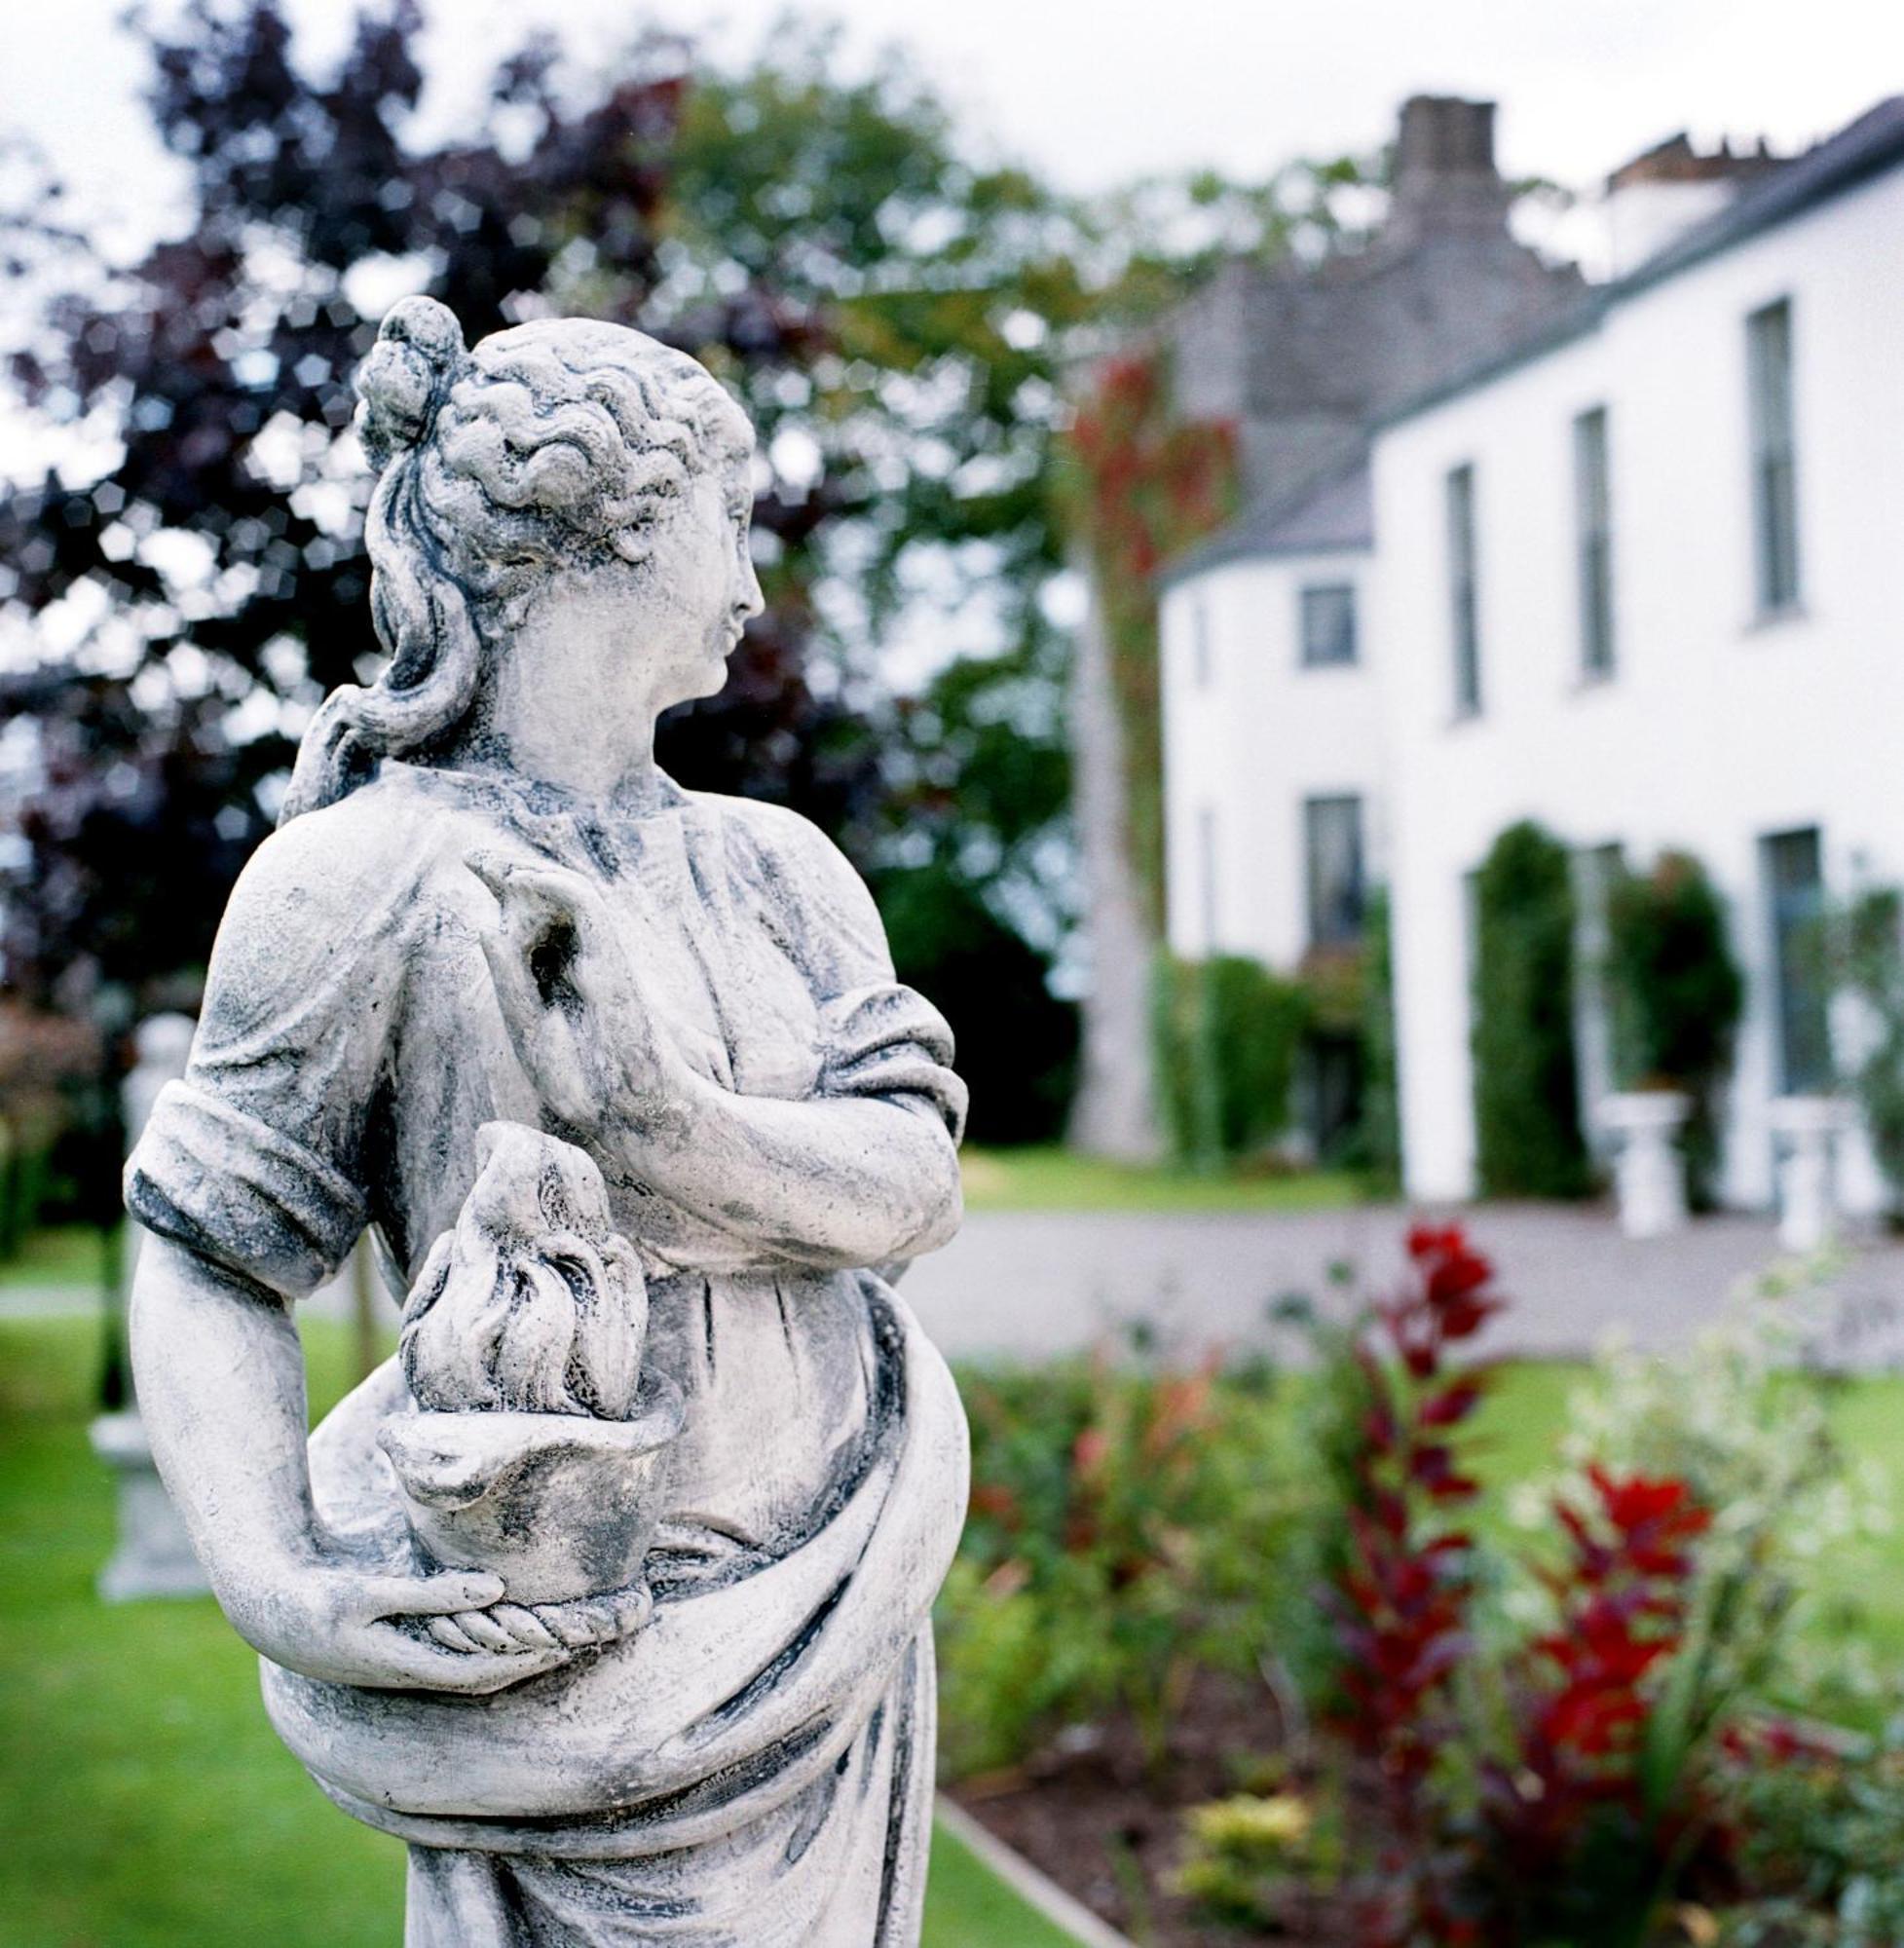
(877, 302)
(219, 551)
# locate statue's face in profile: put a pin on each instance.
(699, 577)
(660, 631)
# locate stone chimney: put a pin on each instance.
(1662, 194)
(1446, 181)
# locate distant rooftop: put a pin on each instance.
(1774, 194)
(1333, 516)
(1676, 160)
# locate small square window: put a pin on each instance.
(1329, 626)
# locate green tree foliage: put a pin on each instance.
(1228, 1031)
(1528, 1140)
(886, 309)
(1675, 994)
(973, 877)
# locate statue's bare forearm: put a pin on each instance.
(221, 1389)
(833, 1180)
(220, 1378)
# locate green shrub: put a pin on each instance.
(1869, 939)
(1227, 1032)
(1243, 1854)
(1379, 1141)
(1675, 992)
(1130, 1526)
(1526, 1089)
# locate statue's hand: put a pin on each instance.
(576, 1013)
(343, 1625)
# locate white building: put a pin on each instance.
(1641, 581)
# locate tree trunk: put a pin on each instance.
(1114, 1112)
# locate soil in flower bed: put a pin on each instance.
(1087, 1813)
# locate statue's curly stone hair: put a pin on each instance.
(559, 443)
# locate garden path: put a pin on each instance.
(1026, 1285)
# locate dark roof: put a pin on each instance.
(1866, 148)
(1319, 519)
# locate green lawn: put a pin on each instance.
(64, 1255)
(145, 1802)
(1050, 1178)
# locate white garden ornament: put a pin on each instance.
(1648, 1171)
(611, 1594)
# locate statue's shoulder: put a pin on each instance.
(778, 836)
(783, 851)
(807, 887)
(372, 848)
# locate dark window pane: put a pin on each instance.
(1463, 601)
(1207, 876)
(1593, 531)
(1794, 880)
(1774, 482)
(1329, 626)
(1333, 870)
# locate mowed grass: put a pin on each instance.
(1050, 1178)
(145, 1800)
(71, 1256)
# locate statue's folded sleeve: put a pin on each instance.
(255, 1159)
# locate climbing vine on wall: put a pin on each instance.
(1528, 1140)
(1136, 488)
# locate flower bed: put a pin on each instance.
(1241, 1650)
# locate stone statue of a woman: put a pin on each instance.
(486, 909)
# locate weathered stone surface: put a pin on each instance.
(611, 1592)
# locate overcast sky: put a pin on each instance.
(1098, 90)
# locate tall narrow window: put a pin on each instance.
(1794, 883)
(1328, 624)
(1464, 612)
(1207, 874)
(1199, 656)
(1774, 479)
(1332, 830)
(1593, 542)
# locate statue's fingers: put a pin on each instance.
(524, 1626)
(432, 1668)
(431, 1595)
(450, 1635)
(490, 868)
(516, 983)
(562, 1623)
(488, 1633)
(554, 895)
(631, 1609)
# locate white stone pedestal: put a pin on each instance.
(1649, 1173)
(1806, 1128)
(154, 1556)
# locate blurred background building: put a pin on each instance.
(1616, 558)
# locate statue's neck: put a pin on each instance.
(546, 715)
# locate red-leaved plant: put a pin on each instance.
(1568, 1781)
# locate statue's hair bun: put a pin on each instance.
(418, 353)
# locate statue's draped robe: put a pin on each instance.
(755, 1766)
